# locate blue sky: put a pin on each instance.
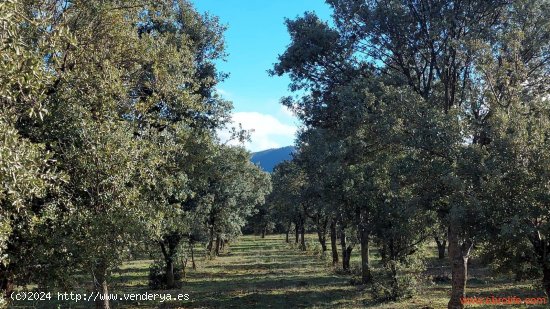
(256, 35)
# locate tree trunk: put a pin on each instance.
(193, 258)
(322, 233)
(184, 267)
(7, 285)
(546, 279)
(395, 289)
(441, 246)
(217, 245)
(333, 242)
(263, 232)
(542, 248)
(345, 250)
(322, 240)
(302, 237)
(170, 281)
(343, 246)
(297, 232)
(458, 255)
(169, 265)
(100, 286)
(210, 241)
(288, 232)
(365, 266)
(347, 258)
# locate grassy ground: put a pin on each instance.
(267, 273)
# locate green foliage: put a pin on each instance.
(235, 187)
(123, 151)
(26, 175)
(517, 187)
(24, 43)
(157, 276)
(397, 280)
(424, 109)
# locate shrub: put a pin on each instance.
(397, 280)
(157, 276)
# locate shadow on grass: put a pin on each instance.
(300, 298)
(268, 266)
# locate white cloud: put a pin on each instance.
(266, 130)
(224, 93)
(287, 111)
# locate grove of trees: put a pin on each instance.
(422, 120)
(108, 145)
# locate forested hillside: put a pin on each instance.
(420, 177)
(268, 159)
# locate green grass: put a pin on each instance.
(268, 273)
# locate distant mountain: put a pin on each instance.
(268, 159)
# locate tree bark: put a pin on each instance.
(286, 236)
(288, 232)
(347, 258)
(297, 232)
(193, 257)
(394, 282)
(323, 241)
(343, 246)
(333, 246)
(346, 251)
(100, 286)
(302, 236)
(441, 246)
(263, 232)
(210, 241)
(458, 255)
(170, 281)
(168, 248)
(366, 276)
(217, 245)
(169, 266)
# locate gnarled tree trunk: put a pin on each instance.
(346, 250)
(169, 246)
(100, 286)
(169, 265)
(459, 253)
(322, 234)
